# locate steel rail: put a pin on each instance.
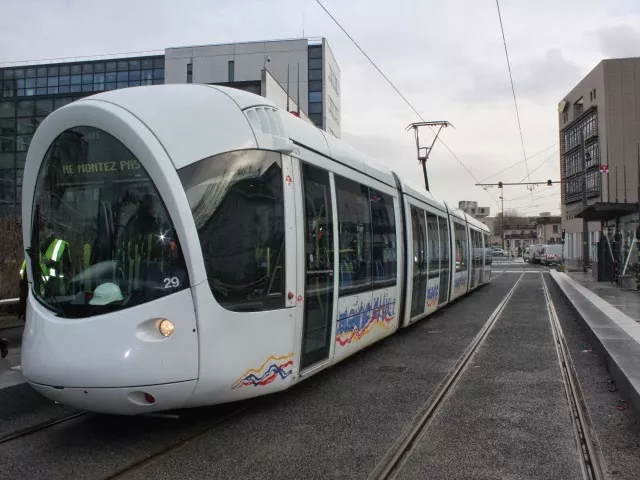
(588, 448)
(395, 459)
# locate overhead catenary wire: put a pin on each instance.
(513, 90)
(400, 94)
(519, 162)
(542, 163)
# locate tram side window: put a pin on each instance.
(384, 238)
(461, 246)
(354, 232)
(487, 251)
(444, 242)
(433, 243)
(418, 241)
(474, 249)
(237, 204)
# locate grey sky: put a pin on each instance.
(447, 57)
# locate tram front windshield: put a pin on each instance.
(102, 239)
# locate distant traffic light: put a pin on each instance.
(549, 183)
(499, 184)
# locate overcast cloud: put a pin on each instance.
(447, 57)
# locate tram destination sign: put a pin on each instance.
(92, 171)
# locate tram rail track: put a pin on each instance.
(179, 443)
(397, 456)
(25, 432)
(589, 452)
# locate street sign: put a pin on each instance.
(604, 168)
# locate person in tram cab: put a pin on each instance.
(54, 262)
(145, 234)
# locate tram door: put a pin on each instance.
(319, 265)
(445, 253)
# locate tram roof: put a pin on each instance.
(195, 121)
(198, 121)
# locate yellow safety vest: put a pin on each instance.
(53, 253)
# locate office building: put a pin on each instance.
(295, 72)
(471, 208)
(549, 230)
(604, 110)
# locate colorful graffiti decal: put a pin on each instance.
(460, 284)
(354, 325)
(432, 296)
(272, 368)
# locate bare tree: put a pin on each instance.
(11, 259)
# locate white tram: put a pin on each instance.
(213, 247)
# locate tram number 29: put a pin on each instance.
(171, 282)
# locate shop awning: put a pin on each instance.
(605, 211)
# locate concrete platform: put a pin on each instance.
(615, 335)
(627, 301)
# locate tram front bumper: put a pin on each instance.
(124, 400)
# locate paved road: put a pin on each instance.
(506, 417)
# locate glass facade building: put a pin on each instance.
(29, 93)
(315, 85)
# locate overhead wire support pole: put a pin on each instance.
(423, 157)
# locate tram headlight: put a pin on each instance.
(166, 327)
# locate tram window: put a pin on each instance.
(444, 242)
(488, 258)
(237, 203)
(354, 231)
(418, 241)
(472, 249)
(384, 238)
(110, 240)
(461, 246)
(433, 246)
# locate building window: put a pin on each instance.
(578, 108)
(334, 111)
(594, 93)
(189, 72)
(555, 229)
(333, 80)
(232, 71)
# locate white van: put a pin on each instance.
(539, 253)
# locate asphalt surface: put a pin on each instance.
(336, 424)
(507, 417)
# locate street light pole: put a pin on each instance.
(502, 219)
(585, 223)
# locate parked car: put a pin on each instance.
(553, 255)
(498, 252)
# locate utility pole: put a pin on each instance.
(585, 223)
